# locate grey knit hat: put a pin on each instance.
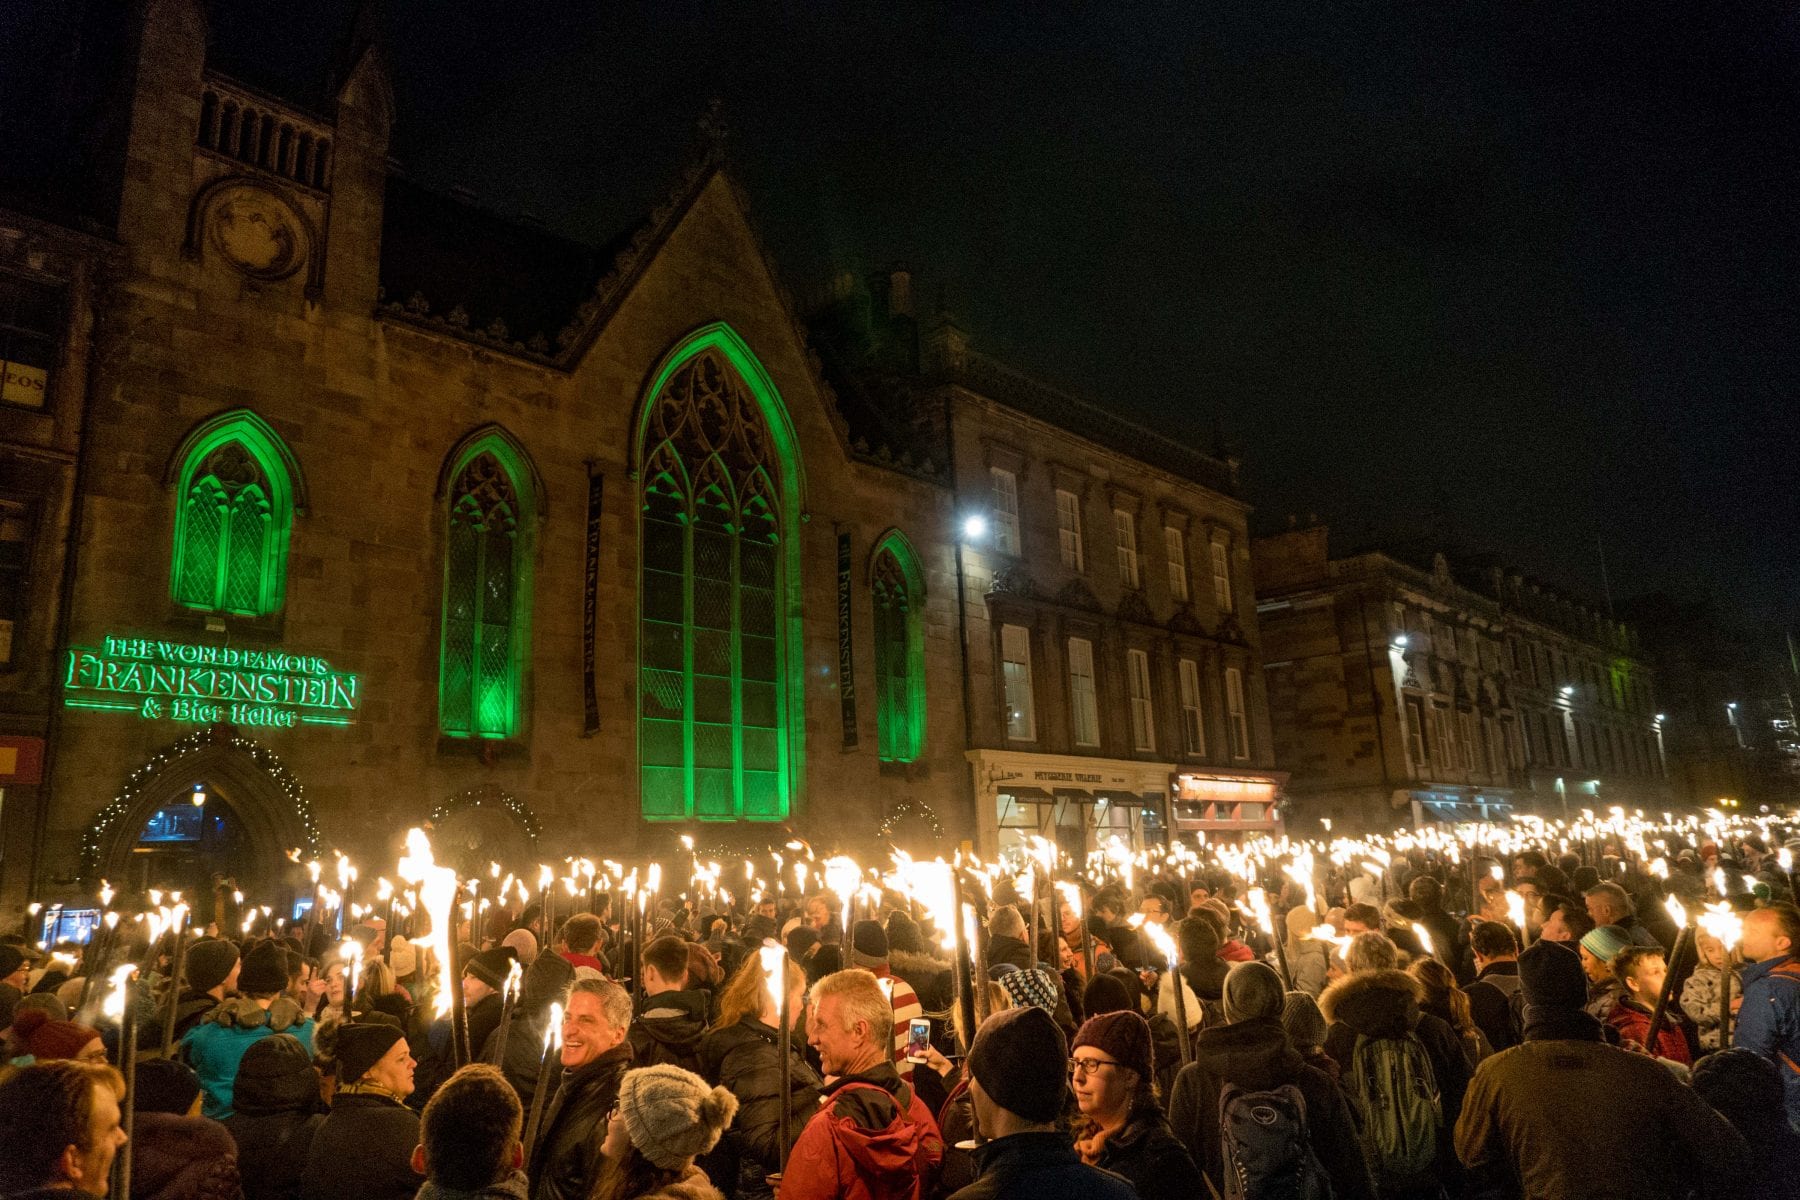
(1253, 990)
(1304, 1023)
(671, 1115)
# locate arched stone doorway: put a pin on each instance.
(250, 814)
(483, 825)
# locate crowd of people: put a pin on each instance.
(1428, 1044)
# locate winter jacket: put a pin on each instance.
(929, 978)
(872, 1139)
(1490, 1003)
(1010, 950)
(1700, 1004)
(273, 1122)
(191, 1009)
(363, 1149)
(1257, 1056)
(565, 1163)
(1632, 1020)
(1039, 1166)
(1603, 997)
(1385, 1004)
(1308, 961)
(695, 1185)
(668, 1029)
(182, 1158)
(1145, 1152)
(1769, 1021)
(216, 1045)
(546, 980)
(513, 1187)
(745, 1059)
(1538, 1111)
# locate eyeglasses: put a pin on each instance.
(1089, 1066)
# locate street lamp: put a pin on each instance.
(974, 527)
(1568, 689)
(1401, 641)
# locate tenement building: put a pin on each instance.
(333, 505)
(1418, 687)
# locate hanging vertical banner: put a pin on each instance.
(591, 587)
(846, 659)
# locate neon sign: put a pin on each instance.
(182, 681)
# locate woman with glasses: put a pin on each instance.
(1121, 1127)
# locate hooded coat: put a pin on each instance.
(182, 1158)
(216, 1045)
(1036, 1166)
(1147, 1154)
(1256, 1055)
(872, 1139)
(745, 1059)
(668, 1030)
(273, 1121)
(1385, 1004)
(1769, 1021)
(565, 1163)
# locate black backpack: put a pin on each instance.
(1266, 1147)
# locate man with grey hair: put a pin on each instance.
(565, 1163)
(872, 1136)
(1610, 904)
(1371, 952)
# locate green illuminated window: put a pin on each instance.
(717, 702)
(233, 511)
(487, 590)
(898, 592)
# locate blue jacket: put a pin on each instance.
(216, 1045)
(1769, 1021)
(1039, 1166)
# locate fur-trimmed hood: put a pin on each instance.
(1373, 1003)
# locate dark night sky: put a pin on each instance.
(1521, 275)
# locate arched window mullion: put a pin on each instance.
(486, 594)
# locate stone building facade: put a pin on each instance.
(391, 509)
(1415, 688)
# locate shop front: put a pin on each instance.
(1227, 806)
(1079, 803)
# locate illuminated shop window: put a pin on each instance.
(234, 507)
(717, 697)
(487, 592)
(897, 588)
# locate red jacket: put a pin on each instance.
(1632, 1020)
(872, 1139)
(1232, 950)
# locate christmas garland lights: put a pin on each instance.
(912, 808)
(487, 794)
(213, 735)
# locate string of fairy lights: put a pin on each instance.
(121, 805)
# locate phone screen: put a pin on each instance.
(918, 1038)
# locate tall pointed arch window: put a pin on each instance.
(487, 591)
(716, 639)
(897, 590)
(234, 507)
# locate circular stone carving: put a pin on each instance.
(257, 232)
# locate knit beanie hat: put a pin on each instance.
(1104, 994)
(1605, 941)
(209, 962)
(1304, 1022)
(11, 958)
(42, 1036)
(48, 1002)
(1123, 1037)
(361, 1044)
(1021, 1061)
(1550, 976)
(868, 945)
(1253, 991)
(265, 970)
(166, 1086)
(671, 1115)
(492, 966)
(1035, 986)
(275, 1075)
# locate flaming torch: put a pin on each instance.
(552, 1057)
(1683, 939)
(774, 965)
(437, 896)
(1723, 923)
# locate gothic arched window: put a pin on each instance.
(896, 588)
(234, 507)
(487, 592)
(715, 700)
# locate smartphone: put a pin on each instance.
(918, 1039)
